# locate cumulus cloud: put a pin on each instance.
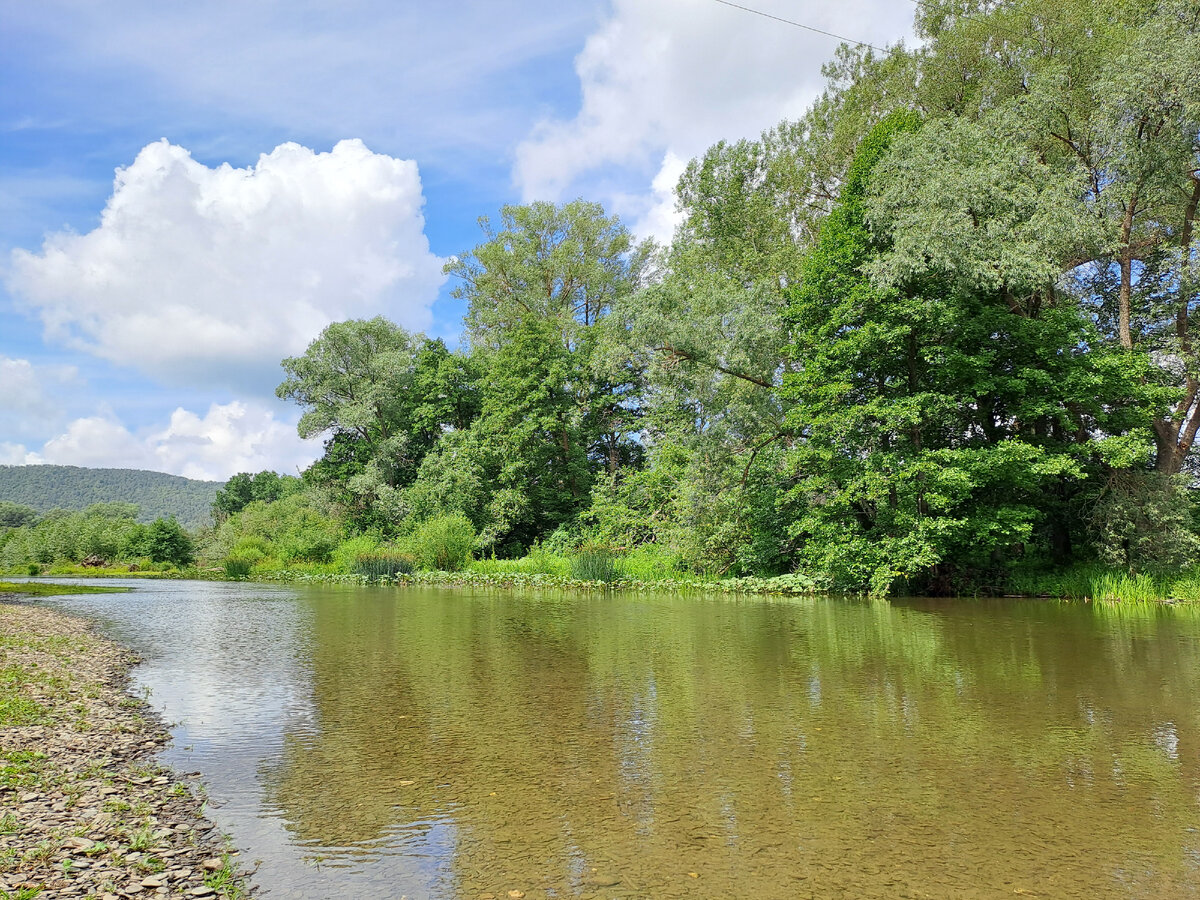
(16, 455)
(209, 276)
(660, 82)
(229, 438)
(25, 388)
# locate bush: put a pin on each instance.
(238, 568)
(595, 564)
(444, 544)
(650, 562)
(166, 541)
(382, 565)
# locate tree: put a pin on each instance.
(16, 515)
(383, 396)
(244, 488)
(942, 425)
(166, 541)
(557, 403)
(1106, 98)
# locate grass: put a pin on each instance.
(238, 568)
(595, 565)
(44, 589)
(1096, 582)
(225, 881)
(382, 565)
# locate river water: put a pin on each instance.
(424, 743)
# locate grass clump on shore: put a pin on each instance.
(1097, 582)
(382, 565)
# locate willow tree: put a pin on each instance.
(1107, 95)
(382, 397)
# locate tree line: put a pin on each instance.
(932, 336)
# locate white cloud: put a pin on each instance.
(661, 218)
(35, 399)
(16, 455)
(209, 276)
(23, 386)
(229, 438)
(662, 81)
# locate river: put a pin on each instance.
(427, 743)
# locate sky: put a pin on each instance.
(190, 193)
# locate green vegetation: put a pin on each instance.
(44, 589)
(155, 494)
(934, 337)
(102, 539)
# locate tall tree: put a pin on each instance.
(383, 396)
(943, 424)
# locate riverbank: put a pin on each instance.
(86, 810)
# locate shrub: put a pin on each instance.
(444, 543)
(238, 568)
(166, 541)
(382, 565)
(595, 564)
(650, 562)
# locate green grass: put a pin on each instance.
(380, 565)
(21, 768)
(43, 589)
(595, 565)
(224, 881)
(16, 709)
(1096, 582)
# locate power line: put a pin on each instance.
(765, 15)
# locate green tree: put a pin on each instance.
(166, 541)
(556, 404)
(16, 515)
(943, 427)
(383, 396)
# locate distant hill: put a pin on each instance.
(71, 487)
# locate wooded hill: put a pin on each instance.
(72, 487)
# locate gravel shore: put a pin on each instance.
(85, 811)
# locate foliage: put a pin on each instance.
(166, 541)
(384, 397)
(382, 566)
(294, 529)
(16, 515)
(244, 488)
(942, 421)
(155, 494)
(105, 531)
(238, 567)
(594, 564)
(443, 544)
(1143, 522)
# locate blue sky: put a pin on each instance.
(284, 165)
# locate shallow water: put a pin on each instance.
(422, 743)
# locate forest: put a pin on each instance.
(932, 337)
(156, 494)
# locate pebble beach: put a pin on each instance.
(85, 809)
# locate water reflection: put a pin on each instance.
(441, 744)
